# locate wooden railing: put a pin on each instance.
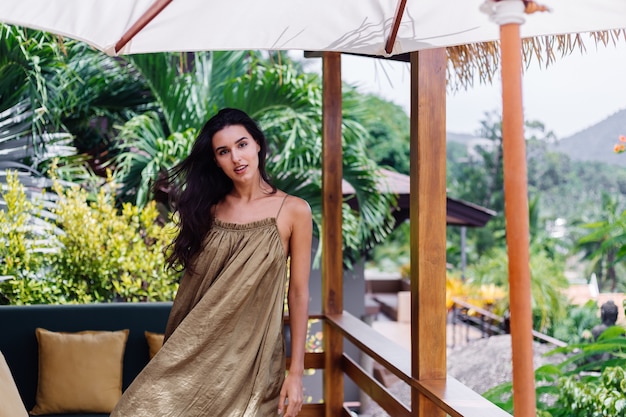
(449, 395)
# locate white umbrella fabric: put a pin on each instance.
(352, 26)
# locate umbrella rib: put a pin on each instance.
(143, 20)
(396, 25)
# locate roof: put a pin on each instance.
(458, 212)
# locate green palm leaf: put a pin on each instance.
(149, 153)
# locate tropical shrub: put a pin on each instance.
(24, 249)
(21, 244)
(95, 252)
(485, 296)
(601, 396)
(577, 324)
(547, 282)
(589, 381)
(110, 254)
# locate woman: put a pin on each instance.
(224, 349)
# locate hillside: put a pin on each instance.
(592, 144)
(569, 185)
(596, 142)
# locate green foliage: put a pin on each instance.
(396, 252)
(599, 397)
(602, 241)
(27, 59)
(589, 381)
(576, 326)
(476, 175)
(23, 248)
(389, 129)
(109, 254)
(93, 95)
(21, 244)
(31, 135)
(547, 282)
(150, 154)
(89, 252)
(571, 190)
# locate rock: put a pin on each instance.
(486, 363)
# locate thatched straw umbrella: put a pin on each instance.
(482, 61)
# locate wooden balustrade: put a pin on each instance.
(433, 393)
(447, 394)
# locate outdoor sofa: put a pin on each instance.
(78, 372)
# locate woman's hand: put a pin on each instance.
(291, 394)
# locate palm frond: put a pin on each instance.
(147, 152)
(186, 85)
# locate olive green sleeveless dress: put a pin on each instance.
(224, 353)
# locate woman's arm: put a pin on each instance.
(298, 301)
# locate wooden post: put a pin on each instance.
(516, 214)
(332, 253)
(428, 223)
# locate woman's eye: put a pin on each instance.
(243, 144)
(223, 152)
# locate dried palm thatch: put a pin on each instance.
(481, 61)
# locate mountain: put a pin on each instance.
(596, 142)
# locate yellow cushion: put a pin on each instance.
(10, 400)
(79, 372)
(155, 341)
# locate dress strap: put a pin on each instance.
(281, 205)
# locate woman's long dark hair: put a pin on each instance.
(196, 184)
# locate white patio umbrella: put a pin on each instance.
(355, 26)
(370, 27)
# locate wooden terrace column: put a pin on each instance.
(428, 223)
(509, 14)
(332, 253)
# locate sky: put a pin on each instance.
(574, 93)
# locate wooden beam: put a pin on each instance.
(428, 223)
(448, 394)
(391, 355)
(374, 389)
(152, 12)
(332, 253)
(397, 19)
(458, 400)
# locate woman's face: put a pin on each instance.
(236, 153)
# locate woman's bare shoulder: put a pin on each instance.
(295, 219)
(297, 206)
